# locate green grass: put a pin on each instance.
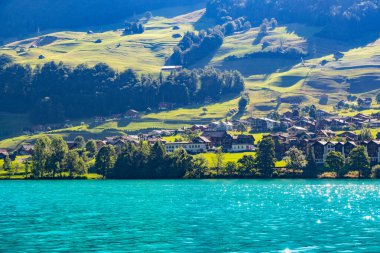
(143, 52)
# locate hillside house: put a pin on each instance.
(365, 103)
(349, 136)
(132, 114)
(263, 124)
(243, 143)
(219, 139)
(322, 114)
(198, 145)
(25, 150)
(220, 126)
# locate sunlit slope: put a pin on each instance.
(143, 52)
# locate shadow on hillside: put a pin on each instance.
(319, 46)
(259, 66)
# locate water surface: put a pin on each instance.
(190, 216)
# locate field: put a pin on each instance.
(142, 52)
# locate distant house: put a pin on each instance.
(198, 128)
(220, 126)
(326, 134)
(296, 130)
(243, 143)
(263, 124)
(72, 145)
(25, 150)
(198, 145)
(219, 139)
(165, 106)
(321, 114)
(132, 114)
(171, 68)
(350, 136)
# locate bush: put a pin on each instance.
(376, 172)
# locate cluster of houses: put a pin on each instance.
(317, 135)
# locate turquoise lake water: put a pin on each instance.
(190, 216)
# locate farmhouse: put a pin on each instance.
(219, 139)
(243, 143)
(132, 114)
(198, 145)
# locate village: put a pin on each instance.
(319, 135)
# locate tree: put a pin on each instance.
(335, 162)
(376, 172)
(105, 160)
(378, 98)
(313, 112)
(7, 166)
(148, 15)
(265, 157)
(218, 160)
(243, 103)
(26, 168)
(75, 164)
(365, 135)
(295, 159)
(91, 148)
(359, 160)
(310, 171)
(59, 150)
(247, 25)
(198, 168)
(247, 165)
(241, 128)
(40, 156)
(231, 169)
(80, 142)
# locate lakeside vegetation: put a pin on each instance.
(53, 160)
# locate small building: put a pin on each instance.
(296, 130)
(198, 145)
(365, 103)
(219, 139)
(349, 136)
(25, 150)
(132, 114)
(171, 68)
(165, 106)
(322, 114)
(243, 143)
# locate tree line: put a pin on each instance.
(340, 19)
(53, 159)
(54, 92)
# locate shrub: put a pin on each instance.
(376, 172)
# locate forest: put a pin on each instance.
(339, 19)
(54, 92)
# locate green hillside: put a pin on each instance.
(273, 84)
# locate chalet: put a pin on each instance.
(296, 130)
(373, 150)
(198, 145)
(220, 126)
(349, 136)
(219, 139)
(318, 149)
(132, 114)
(243, 143)
(201, 128)
(25, 150)
(71, 145)
(307, 123)
(325, 134)
(322, 114)
(263, 124)
(373, 123)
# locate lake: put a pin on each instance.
(190, 216)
